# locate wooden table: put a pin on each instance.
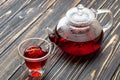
(23, 19)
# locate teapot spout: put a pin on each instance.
(51, 34)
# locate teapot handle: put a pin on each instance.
(110, 22)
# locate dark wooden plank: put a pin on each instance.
(13, 56)
(96, 65)
(58, 76)
(10, 26)
(11, 8)
(14, 25)
(67, 68)
(59, 71)
(18, 25)
(63, 67)
(30, 34)
(108, 60)
(51, 63)
(19, 72)
(110, 66)
(116, 75)
(51, 15)
(61, 76)
(103, 18)
(2, 2)
(6, 4)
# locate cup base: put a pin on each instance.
(36, 73)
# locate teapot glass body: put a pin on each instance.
(79, 35)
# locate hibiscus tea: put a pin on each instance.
(34, 52)
(77, 48)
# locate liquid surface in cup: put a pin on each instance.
(78, 48)
(34, 52)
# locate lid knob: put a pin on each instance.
(80, 6)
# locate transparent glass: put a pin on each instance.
(31, 50)
(79, 32)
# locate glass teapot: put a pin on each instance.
(79, 32)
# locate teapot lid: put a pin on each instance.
(80, 15)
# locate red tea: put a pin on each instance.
(34, 52)
(77, 48)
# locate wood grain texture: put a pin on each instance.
(22, 19)
(116, 75)
(12, 54)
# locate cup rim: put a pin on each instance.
(41, 58)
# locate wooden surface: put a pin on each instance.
(22, 19)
